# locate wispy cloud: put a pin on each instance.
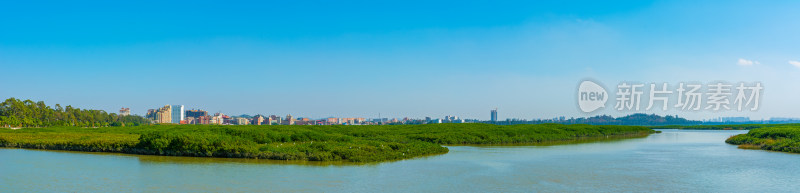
(794, 63)
(746, 62)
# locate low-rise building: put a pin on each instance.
(258, 119)
(242, 121)
(124, 111)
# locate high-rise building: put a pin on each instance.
(494, 115)
(177, 114)
(161, 115)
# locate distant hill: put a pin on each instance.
(244, 116)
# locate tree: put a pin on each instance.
(16, 113)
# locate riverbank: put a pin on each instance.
(784, 139)
(314, 143)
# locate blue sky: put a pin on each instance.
(403, 58)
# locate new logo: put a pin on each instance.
(591, 96)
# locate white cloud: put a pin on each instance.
(746, 62)
(795, 63)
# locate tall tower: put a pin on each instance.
(494, 115)
(178, 114)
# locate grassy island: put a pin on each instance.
(368, 143)
(785, 139)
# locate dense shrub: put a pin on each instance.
(785, 139)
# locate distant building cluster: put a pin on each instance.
(745, 120)
(176, 114)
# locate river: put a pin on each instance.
(671, 161)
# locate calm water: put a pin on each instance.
(672, 161)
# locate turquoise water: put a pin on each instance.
(672, 161)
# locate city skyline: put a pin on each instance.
(324, 59)
(493, 116)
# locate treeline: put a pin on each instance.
(17, 113)
(784, 138)
(364, 143)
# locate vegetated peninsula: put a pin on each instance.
(356, 143)
(36, 125)
(782, 138)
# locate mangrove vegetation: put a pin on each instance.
(782, 138)
(364, 143)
